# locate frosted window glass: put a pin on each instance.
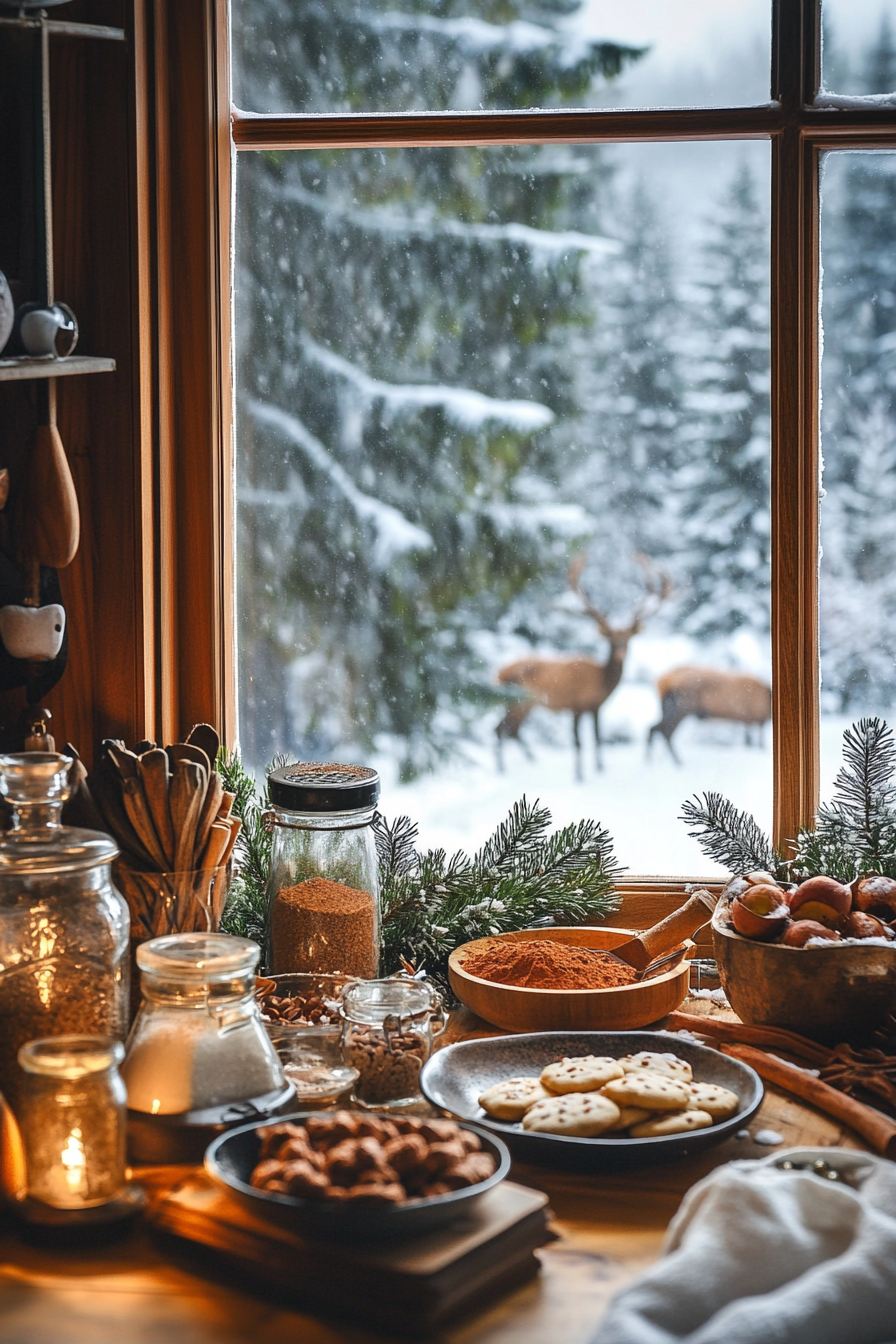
(389, 56)
(858, 567)
(458, 371)
(859, 47)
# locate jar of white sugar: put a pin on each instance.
(198, 1058)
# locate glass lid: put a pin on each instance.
(36, 784)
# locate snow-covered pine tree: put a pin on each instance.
(634, 392)
(402, 320)
(723, 481)
(858, 591)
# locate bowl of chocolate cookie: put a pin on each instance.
(595, 1101)
(343, 1174)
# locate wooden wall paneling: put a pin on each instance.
(98, 226)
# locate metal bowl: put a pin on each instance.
(231, 1158)
(456, 1076)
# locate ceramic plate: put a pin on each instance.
(457, 1075)
(230, 1160)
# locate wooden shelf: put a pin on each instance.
(24, 366)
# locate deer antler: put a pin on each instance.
(658, 584)
(574, 577)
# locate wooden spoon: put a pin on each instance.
(669, 932)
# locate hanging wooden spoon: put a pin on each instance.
(49, 521)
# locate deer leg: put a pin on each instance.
(577, 744)
(600, 762)
(510, 725)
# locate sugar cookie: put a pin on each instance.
(586, 1073)
(511, 1099)
(678, 1122)
(576, 1114)
(631, 1115)
(653, 1062)
(716, 1100)
(653, 1091)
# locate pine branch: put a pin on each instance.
(729, 836)
(520, 879)
(395, 845)
(522, 832)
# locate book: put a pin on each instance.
(408, 1286)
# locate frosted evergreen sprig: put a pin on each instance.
(729, 836)
(521, 878)
(854, 833)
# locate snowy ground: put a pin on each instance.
(636, 799)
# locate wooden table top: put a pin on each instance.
(610, 1228)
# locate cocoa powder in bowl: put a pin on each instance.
(321, 925)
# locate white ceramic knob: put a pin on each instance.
(34, 633)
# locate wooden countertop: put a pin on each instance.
(610, 1228)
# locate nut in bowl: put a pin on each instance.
(301, 1014)
(617, 1006)
(347, 1173)
(819, 959)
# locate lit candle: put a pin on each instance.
(72, 1120)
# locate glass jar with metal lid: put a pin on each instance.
(323, 890)
(63, 925)
(198, 1057)
(388, 1037)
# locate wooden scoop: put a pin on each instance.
(639, 952)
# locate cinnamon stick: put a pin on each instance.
(877, 1130)
(739, 1031)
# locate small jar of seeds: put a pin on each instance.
(387, 1036)
(323, 888)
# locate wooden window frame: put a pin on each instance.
(193, 634)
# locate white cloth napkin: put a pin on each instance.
(756, 1255)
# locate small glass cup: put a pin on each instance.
(72, 1120)
(388, 1036)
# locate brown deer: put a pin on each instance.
(579, 685)
(710, 694)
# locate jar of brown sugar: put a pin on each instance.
(323, 890)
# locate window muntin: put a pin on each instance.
(857, 601)
(457, 369)
(356, 56)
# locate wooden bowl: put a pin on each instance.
(623, 1008)
(827, 993)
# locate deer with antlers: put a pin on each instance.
(579, 685)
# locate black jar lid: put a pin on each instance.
(323, 786)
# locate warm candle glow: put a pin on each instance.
(74, 1161)
(72, 1120)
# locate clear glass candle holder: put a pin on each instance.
(72, 1119)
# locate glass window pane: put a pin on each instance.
(858, 567)
(460, 373)
(859, 46)
(379, 56)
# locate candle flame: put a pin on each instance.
(74, 1159)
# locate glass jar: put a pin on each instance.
(387, 1036)
(72, 1120)
(301, 1015)
(198, 1041)
(63, 925)
(323, 890)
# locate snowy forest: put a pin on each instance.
(460, 368)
